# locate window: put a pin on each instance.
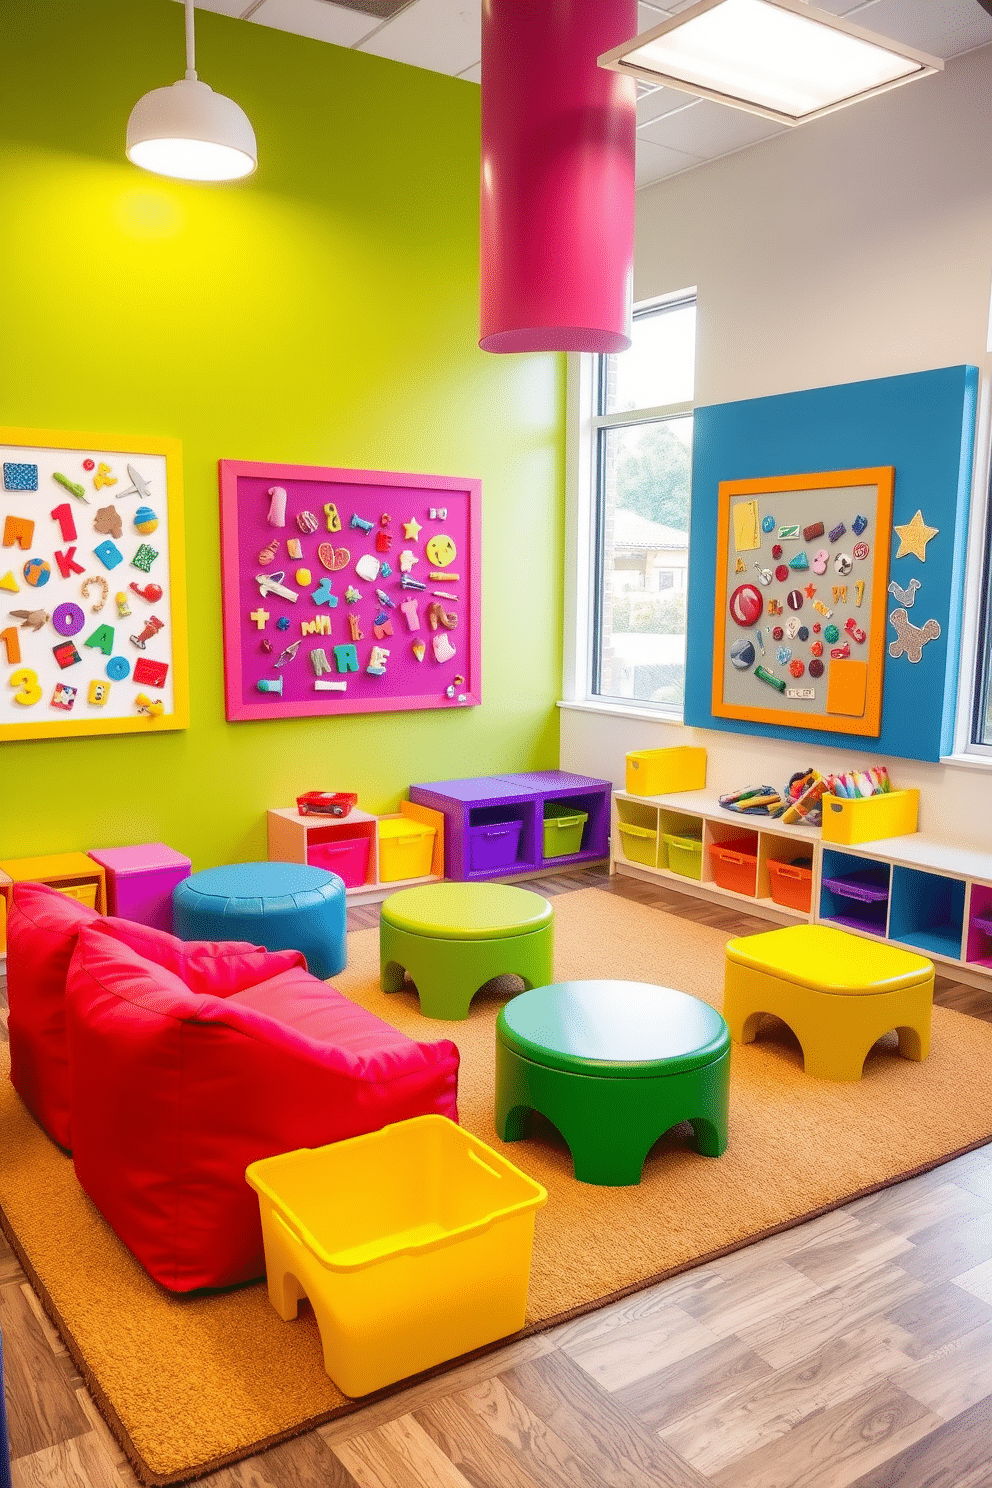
(981, 712)
(640, 456)
(973, 734)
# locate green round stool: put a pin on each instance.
(452, 938)
(613, 1065)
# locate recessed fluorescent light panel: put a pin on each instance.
(780, 58)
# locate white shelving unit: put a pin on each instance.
(913, 891)
(291, 836)
(699, 813)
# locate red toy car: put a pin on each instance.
(326, 803)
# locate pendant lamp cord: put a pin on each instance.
(190, 43)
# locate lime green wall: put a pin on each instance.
(325, 312)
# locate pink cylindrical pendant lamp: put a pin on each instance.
(557, 212)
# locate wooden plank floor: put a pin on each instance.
(851, 1352)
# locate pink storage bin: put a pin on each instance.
(348, 857)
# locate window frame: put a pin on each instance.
(583, 522)
(975, 652)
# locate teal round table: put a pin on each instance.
(613, 1065)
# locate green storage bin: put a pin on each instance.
(685, 854)
(563, 828)
(640, 844)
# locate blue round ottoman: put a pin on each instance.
(282, 906)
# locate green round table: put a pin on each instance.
(613, 1065)
(452, 938)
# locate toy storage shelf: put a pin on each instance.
(494, 824)
(651, 832)
(938, 897)
(913, 891)
(293, 838)
(74, 873)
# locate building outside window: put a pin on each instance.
(641, 433)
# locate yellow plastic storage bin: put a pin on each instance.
(640, 844)
(85, 892)
(659, 772)
(685, 854)
(406, 848)
(892, 814)
(413, 1245)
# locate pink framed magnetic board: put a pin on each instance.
(348, 591)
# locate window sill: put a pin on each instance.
(626, 710)
(968, 761)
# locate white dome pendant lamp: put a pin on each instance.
(189, 131)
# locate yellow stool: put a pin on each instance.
(838, 993)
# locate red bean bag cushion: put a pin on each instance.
(41, 938)
(176, 1091)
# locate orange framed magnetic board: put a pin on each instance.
(92, 584)
(801, 584)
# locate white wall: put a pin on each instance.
(858, 246)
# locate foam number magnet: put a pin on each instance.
(12, 644)
(28, 692)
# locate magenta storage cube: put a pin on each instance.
(348, 857)
(140, 881)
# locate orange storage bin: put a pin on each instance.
(792, 883)
(735, 864)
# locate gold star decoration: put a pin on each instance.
(411, 529)
(914, 536)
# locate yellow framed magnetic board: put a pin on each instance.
(801, 584)
(92, 585)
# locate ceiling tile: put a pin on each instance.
(661, 101)
(655, 162)
(222, 7)
(943, 29)
(844, 7)
(472, 74)
(442, 35)
(317, 18)
(648, 16)
(707, 129)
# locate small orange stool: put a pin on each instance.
(838, 993)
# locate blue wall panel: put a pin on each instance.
(924, 425)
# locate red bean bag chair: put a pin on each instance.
(180, 1081)
(41, 938)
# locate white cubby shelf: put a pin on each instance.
(915, 891)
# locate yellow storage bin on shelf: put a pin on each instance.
(661, 772)
(685, 854)
(405, 849)
(412, 1244)
(891, 814)
(85, 892)
(640, 844)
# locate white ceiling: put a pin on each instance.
(675, 132)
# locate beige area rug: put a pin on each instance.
(189, 1384)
